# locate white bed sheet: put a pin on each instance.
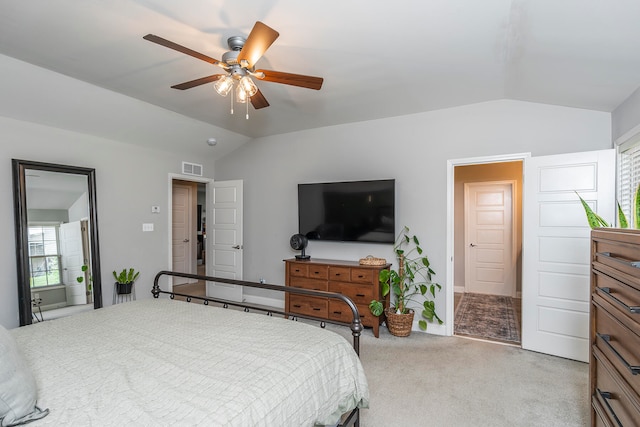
(165, 362)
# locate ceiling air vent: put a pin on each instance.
(191, 169)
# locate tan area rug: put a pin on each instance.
(489, 317)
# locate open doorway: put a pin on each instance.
(188, 242)
(487, 240)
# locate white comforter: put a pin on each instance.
(164, 362)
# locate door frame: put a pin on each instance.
(451, 164)
(512, 242)
(171, 177)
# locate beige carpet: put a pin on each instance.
(428, 380)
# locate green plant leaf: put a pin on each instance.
(422, 324)
(376, 307)
(622, 219)
(593, 218)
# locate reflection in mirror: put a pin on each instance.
(56, 240)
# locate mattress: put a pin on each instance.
(167, 362)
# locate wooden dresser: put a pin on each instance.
(615, 327)
(358, 282)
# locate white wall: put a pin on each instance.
(130, 179)
(412, 149)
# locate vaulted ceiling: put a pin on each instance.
(378, 59)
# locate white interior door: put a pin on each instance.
(181, 231)
(72, 259)
(224, 226)
(490, 265)
(556, 248)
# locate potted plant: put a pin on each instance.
(410, 282)
(89, 289)
(124, 280)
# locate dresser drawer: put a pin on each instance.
(306, 283)
(613, 393)
(310, 306)
(340, 312)
(298, 270)
(318, 271)
(618, 343)
(360, 294)
(619, 257)
(624, 298)
(339, 273)
(363, 275)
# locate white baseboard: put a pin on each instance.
(269, 302)
(458, 289)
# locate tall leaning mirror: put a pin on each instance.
(57, 251)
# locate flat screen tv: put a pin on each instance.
(355, 211)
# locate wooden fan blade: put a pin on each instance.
(197, 82)
(259, 101)
(309, 82)
(259, 40)
(171, 45)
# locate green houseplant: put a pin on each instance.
(596, 220)
(124, 280)
(412, 281)
(89, 287)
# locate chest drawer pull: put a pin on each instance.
(635, 370)
(630, 309)
(360, 295)
(606, 396)
(635, 264)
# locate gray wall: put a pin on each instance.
(626, 118)
(130, 179)
(412, 149)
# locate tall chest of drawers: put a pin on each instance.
(615, 327)
(358, 282)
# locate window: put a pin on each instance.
(44, 256)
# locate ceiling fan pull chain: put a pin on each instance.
(247, 108)
(232, 100)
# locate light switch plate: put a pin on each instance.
(155, 209)
(147, 227)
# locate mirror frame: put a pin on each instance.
(22, 236)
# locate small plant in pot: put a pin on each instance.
(411, 282)
(124, 280)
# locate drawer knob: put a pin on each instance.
(337, 312)
(360, 295)
(297, 305)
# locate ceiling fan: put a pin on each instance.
(239, 65)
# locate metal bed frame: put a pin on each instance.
(353, 418)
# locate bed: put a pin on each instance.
(162, 361)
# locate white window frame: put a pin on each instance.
(56, 225)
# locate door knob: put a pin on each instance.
(236, 247)
(186, 240)
(472, 245)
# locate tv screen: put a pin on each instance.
(356, 211)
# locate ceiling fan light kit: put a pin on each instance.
(239, 64)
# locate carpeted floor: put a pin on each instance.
(491, 317)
